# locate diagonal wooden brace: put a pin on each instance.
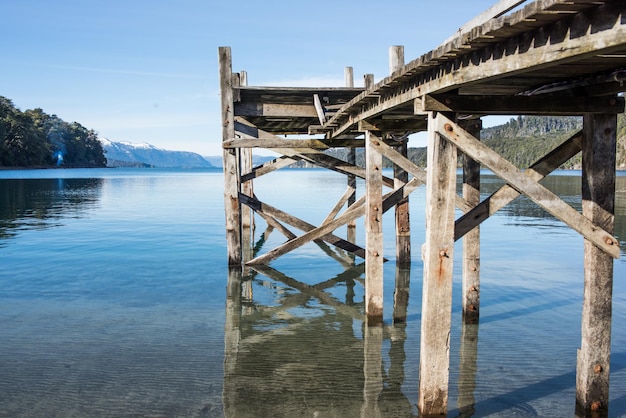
(355, 211)
(505, 194)
(543, 197)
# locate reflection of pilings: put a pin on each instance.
(232, 333)
(313, 291)
(401, 294)
(467, 373)
(372, 371)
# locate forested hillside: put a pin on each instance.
(523, 140)
(35, 139)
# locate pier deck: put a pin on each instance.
(548, 57)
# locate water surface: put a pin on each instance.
(115, 301)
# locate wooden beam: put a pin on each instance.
(403, 222)
(593, 361)
(319, 109)
(231, 161)
(543, 104)
(373, 231)
(505, 194)
(268, 167)
(311, 234)
(498, 9)
(340, 203)
(269, 143)
(355, 211)
(277, 110)
(438, 253)
(470, 288)
(543, 197)
(487, 63)
(418, 173)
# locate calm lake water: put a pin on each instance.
(113, 302)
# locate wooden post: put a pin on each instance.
(396, 58)
(471, 241)
(348, 74)
(437, 254)
(247, 214)
(368, 81)
(403, 223)
(352, 199)
(351, 233)
(231, 160)
(598, 204)
(373, 231)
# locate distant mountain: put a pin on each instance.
(125, 154)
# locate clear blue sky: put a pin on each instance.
(146, 71)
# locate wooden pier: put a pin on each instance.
(548, 57)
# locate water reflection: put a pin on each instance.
(308, 353)
(42, 203)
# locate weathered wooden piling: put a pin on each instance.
(593, 366)
(552, 57)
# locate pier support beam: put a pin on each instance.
(373, 230)
(437, 287)
(471, 241)
(231, 160)
(598, 194)
(403, 223)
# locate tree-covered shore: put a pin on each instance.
(35, 139)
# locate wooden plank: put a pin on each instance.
(438, 253)
(418, 173)
(312, 233)
(524, 184)
(351, 233)
(355, 211)
(373, 230)
(231, 161)
(319, 109)
(489, 63)
(268, 167)
(498, 9)
(470, 288)
(403, 222)
(323, 160)
(506, 193)
(247, 187)
(340, 203)
(593, 362)
(269, 143)
(543, 104)
(272, 222)
(277, 110)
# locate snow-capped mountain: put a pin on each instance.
(144, 154)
